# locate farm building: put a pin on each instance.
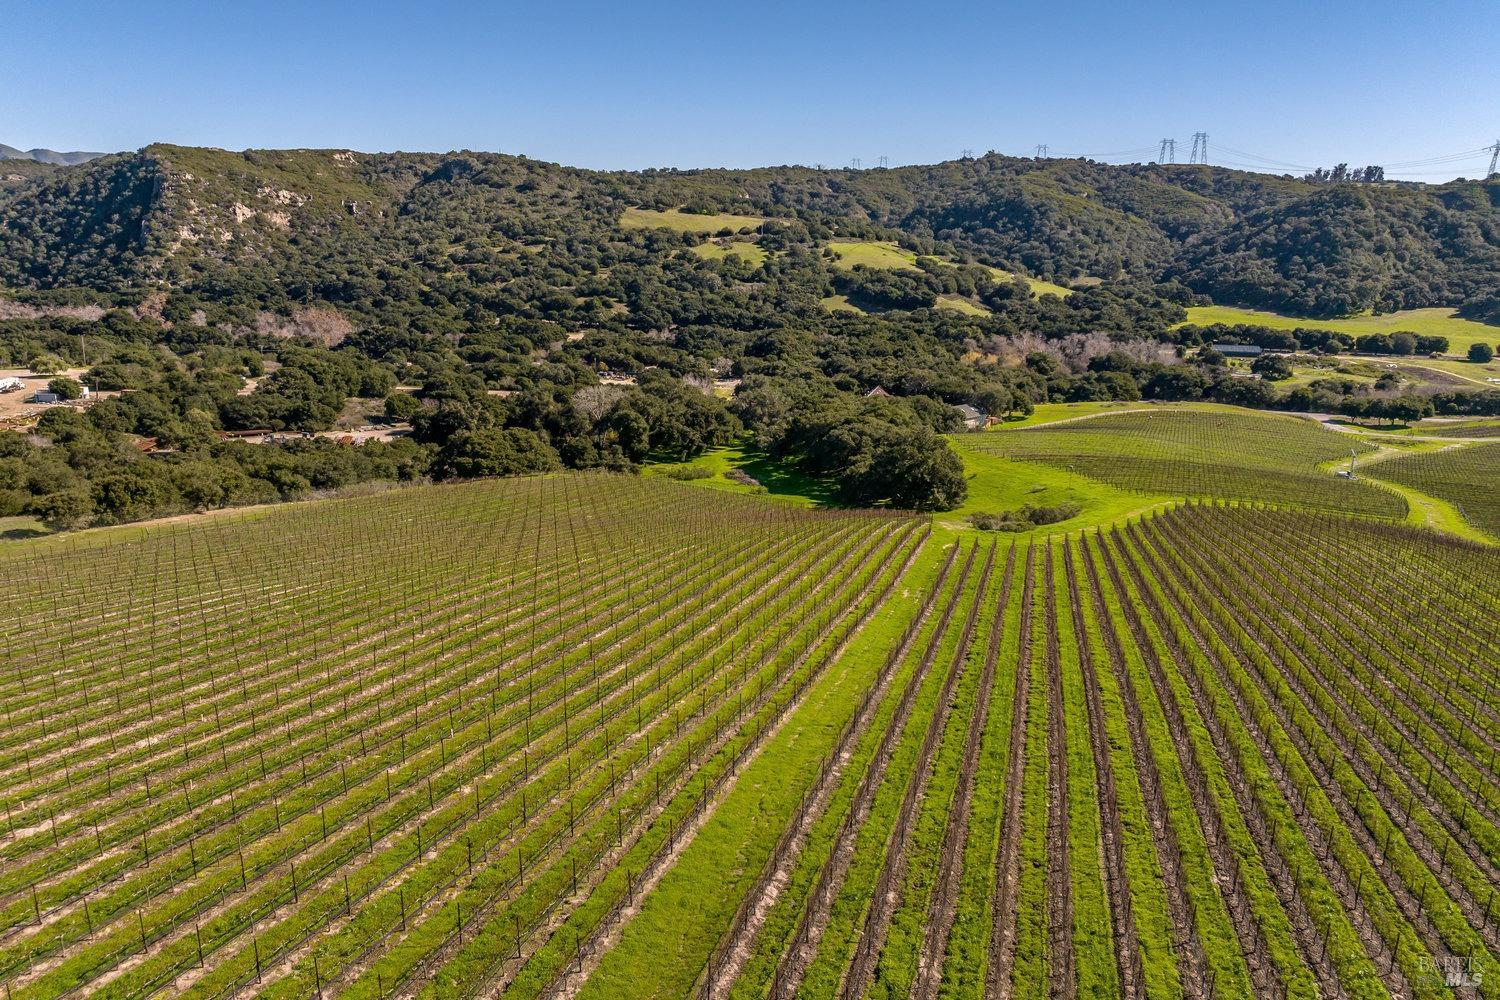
(46, 396)
(973, 418)
(879, 390)
(1238, 350)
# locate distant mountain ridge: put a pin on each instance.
(51, 156)
(359, 230)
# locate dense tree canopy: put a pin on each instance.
(520, 316)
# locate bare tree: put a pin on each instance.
(594, 401)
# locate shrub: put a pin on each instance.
(400, 407)
(1007, 520)
(1052, 514)
(66, 388)
(63, 509)
(1272, 367)
(509, 452)
(686, 472)
(1027, 517)
(1481, 353)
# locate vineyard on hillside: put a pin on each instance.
(1467, 477)
(1238, 456)
(1127, 764)
(601, 737)
(1464, 428)
(344, 748)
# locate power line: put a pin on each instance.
(1141, 151)
(1255, 168)
(1241, 154)
(1449, 174)
(1138, 151)
(1446, 158)
(1166, 152)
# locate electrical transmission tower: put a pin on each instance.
(884, 162)
(967, 154)
(856, 163)
(1168, 152)
(1041, 151)
(1200, 148)
(1494, 158)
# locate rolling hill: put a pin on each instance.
(51, 156)
(186, 215)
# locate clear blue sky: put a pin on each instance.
(708, 83)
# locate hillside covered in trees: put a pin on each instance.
(322, 224)
(479, 298)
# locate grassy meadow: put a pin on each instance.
(889, 256)
(1435, 322)
(959, 304)
(751, 253)
(686, 222)
(840, 303)
(886, 256)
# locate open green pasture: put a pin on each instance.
(751, 253)
(1221, 453)
(1435, 322)
(686, 222)
(889, 256)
